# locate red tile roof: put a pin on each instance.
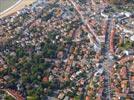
(112, 34)
(126, 59)
(87, 98)
(123, 72)
(1, 69)
(15, 94)
(131, 69)
(45, 79)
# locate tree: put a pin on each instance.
(71, 9)
(9, 98)
(51, 53)
(83, 1)
(20, 53)
(31, 95)
(11, 60)
(71, 94)
(77, 98)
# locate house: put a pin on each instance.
(1, 69)
(132, 38)
(45, 79)
(61, 96)
(124, 84)
(2, 80)
(123, 73)
(87, 98)
(15, 94)
(132, 84)
(66, 98)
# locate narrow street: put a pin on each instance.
(105, 50)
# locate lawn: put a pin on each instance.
(4, 4)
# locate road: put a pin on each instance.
(105, 52)
(93, 35)
(94, 39)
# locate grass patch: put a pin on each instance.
(5, 4)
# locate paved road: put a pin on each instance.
(105, 52)
(107, 88)
(94, 37)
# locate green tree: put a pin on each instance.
(9, 98)
(20, 53)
